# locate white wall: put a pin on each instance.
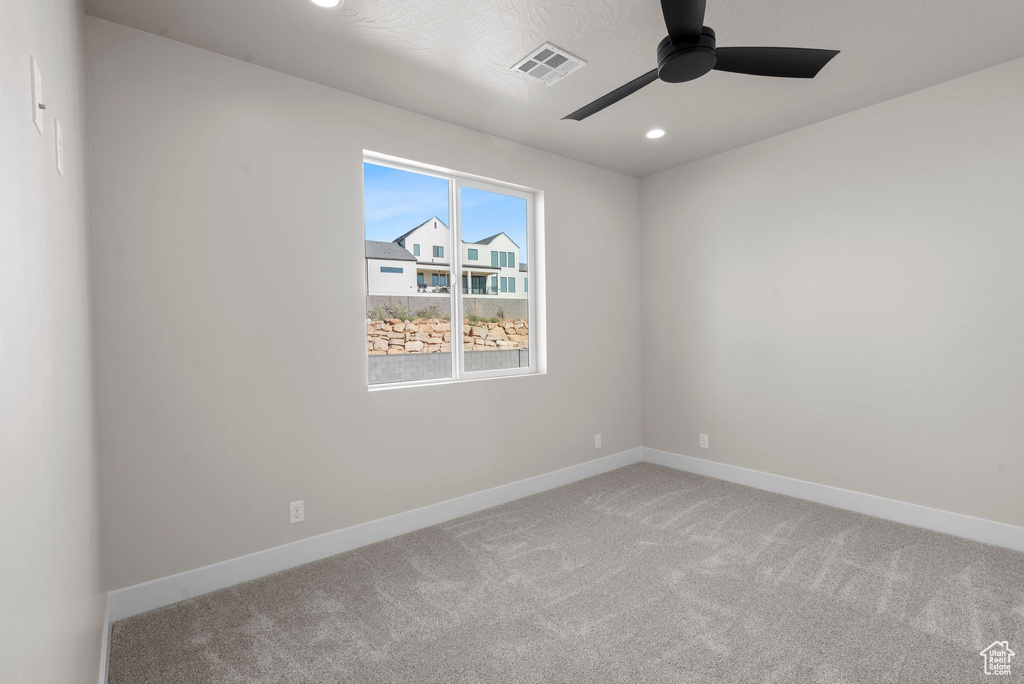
(52, 589)
(845, 303)
(503, 243)
(230, 312)
(378, 282)
(431, 234)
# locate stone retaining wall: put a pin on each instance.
(432, 335)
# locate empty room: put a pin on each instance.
(474, 342)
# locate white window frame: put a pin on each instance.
(534, 205)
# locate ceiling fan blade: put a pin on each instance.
(784, 62)
(614, 96)
(684, 19)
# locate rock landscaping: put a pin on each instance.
(434, 335)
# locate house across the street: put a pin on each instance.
(418, 263)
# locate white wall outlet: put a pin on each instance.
(296, 512)
(59, 132)
(704, 442)
(37, 95)
(597, 441)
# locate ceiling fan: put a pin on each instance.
(690, 51)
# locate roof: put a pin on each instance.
(387, 250)
(522, 267)
(485, 241)
(407, 234)
(488, 240)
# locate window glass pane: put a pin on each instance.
(496, 325)
(408, 322)
(472, 255)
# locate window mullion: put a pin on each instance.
(456, 285)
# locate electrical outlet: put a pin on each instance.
(296, 512)
(704, 442)
(597, 441)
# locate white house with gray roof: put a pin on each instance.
(418, 263)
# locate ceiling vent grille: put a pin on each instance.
(548, 64)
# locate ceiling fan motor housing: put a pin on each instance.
(684, 62)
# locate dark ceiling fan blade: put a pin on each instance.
(784, 62)
(684, 19)
(614, 96)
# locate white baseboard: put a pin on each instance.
(167, 590)
(105, 643)
(957, 524)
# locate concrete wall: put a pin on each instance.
(842, 304)
(52, 585)
(387, 368)
(230, 324)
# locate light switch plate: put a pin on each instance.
(37, 95)
(59, 133)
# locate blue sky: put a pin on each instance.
(397, 201)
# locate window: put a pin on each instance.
(526, 284)
(414, 318)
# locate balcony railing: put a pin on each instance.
(440, 289)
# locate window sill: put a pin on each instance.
(521, 373)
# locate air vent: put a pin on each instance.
(548, 64)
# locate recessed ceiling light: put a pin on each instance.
(327, 3)
(655, 133)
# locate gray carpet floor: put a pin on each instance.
(644, 574)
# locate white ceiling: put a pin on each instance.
(450, 59)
